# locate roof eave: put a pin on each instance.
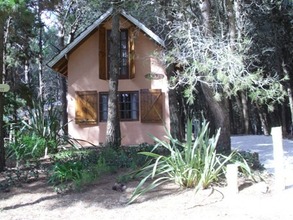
(141, 26)
(63, 53)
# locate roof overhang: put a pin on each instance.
(59, 62)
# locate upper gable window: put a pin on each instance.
(123, 54)
(126, 54)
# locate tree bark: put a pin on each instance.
(40, 55)
(245, 113)
(63, 80)
(175, 109)
(221, 117)
(290, 95)
(263, 120)
(64, 104)
(2, 148)
(218, 108)
(240, 125)
(113, 135)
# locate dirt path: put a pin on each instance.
(37, 200)
(263, 145)
(99, 201)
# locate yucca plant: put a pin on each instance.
(45, 124)
(38, 137)
(193, 164)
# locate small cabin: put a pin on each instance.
(143, 84)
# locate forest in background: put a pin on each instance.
(246, 78)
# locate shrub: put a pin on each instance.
(66, 172)
(76, 168)
(190, 164)
(252, 159)
(27, 147)
(38, 137)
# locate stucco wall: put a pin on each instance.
(83, 75)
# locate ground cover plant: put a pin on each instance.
(37, 137)
(192, 164)
(75, 168)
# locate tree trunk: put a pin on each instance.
(40, 55)
(2, 148)
(233, 126)
(113, 135)
(231, 21)
(245, 113)
(290, 95)
(63, 81)
(176, 129)
(175, 109)
(241, 127)
(232, 35)
(283, 120)
(64, 104)
(205, 8)
(221, 118)
(263, 120)
(219, 109)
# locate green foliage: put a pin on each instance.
(251, 159)
(7, 4)
(64, 172)
(76, 168)
(125, 157)
(38, 137)
(27, 147)
(190, 164)
(75, 174)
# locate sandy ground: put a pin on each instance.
(258, 201)
(263, 145)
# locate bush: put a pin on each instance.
(75, 168)
(27, 147)
(252, 159)
(37, 138)
(76, 173)
(191, 164)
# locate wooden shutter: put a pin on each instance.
(151, 102)
(131, 53)
(86, 107)
(102, 54)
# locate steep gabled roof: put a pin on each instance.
(59, 62)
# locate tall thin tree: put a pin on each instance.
(2, 149)
(5, 7)
(113, 135)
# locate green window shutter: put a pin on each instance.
(151, 103)
(86, 107)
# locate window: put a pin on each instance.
(126, 54)
(128, 106)
(123, 53)
(86, 107)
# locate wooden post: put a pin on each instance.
(232, 178)
(278, 158)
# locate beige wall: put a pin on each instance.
(83, 75)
